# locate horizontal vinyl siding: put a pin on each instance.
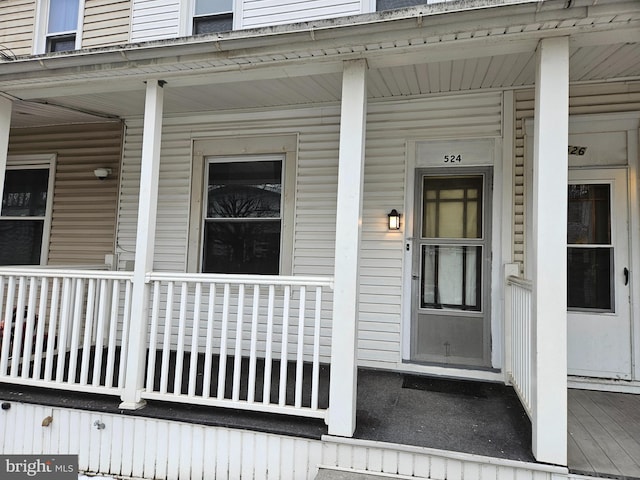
(584, 99)
(106, 22)
(84, 208)
(155, 19)
(389, 126)
(17, 18)
(260, 13)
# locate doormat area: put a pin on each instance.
(450, 386)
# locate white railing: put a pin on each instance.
(518, 310)
(246, 342)
(64, 328)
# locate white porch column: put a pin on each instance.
(145, 239)
(550, 176)
(5, 125)
(342, 395)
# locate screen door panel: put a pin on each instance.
(450, 268)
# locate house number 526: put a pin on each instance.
(453, 158)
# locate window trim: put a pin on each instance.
(284, 146)
(41, 34)
(40, 162)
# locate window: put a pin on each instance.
(24, 215)
(243, 215)
(58, 25)
(590, 248)
(212, 16)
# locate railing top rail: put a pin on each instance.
(520, 282)
(241, 279)
(53, 272)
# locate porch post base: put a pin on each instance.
(132, 405)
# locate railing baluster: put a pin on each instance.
(182, 325)
(237, 358)
(64, 326)
(300, 349)
(52, 336)
(315, 378)
(153, 336)
(113, 332)
(88, 324)
(266, 388)
(222, 368)
(29, 327)
(97, 354)
(254, 345)
(166, 345)
(40, 328)
(208, 352)
(195, 334)
(17, 328)
(126, 320)
(75, 331)
(8, 325)
(284, 350)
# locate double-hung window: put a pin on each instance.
(24, 216)
(212, 16)
(243, 214)
(62, 25)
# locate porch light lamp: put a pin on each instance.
(394, 220)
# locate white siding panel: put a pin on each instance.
(154, 19)
(389, 126)
(259, 13)
(585, 99)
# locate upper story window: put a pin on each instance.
(212, 16)
(62, 25)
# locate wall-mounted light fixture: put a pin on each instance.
(102, 173)
(394, 220)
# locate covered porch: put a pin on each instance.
(291, 344)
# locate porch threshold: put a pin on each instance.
(308, 428)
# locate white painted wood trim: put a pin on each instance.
(145, 243)
(343, 386)
(5, 125)
(633, 139)
(550, 177)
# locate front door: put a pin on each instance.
(451, 267)
(599, 329)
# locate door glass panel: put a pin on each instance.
(590, 251)
(452, 207)
(25, 193)
(451, 277)
(589, 278)
(20, 242)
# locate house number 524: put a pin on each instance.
(453, 158)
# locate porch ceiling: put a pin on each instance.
(587, 64)
(409, 53)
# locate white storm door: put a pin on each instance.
(599, 328)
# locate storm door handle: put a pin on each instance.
(626, 275)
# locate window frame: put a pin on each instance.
(283, 147)
(190, 16)
(214, 159)
(41, 30)
(36, 162)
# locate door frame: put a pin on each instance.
(483, 151)
(629, 124)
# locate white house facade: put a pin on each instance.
(245, 204)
